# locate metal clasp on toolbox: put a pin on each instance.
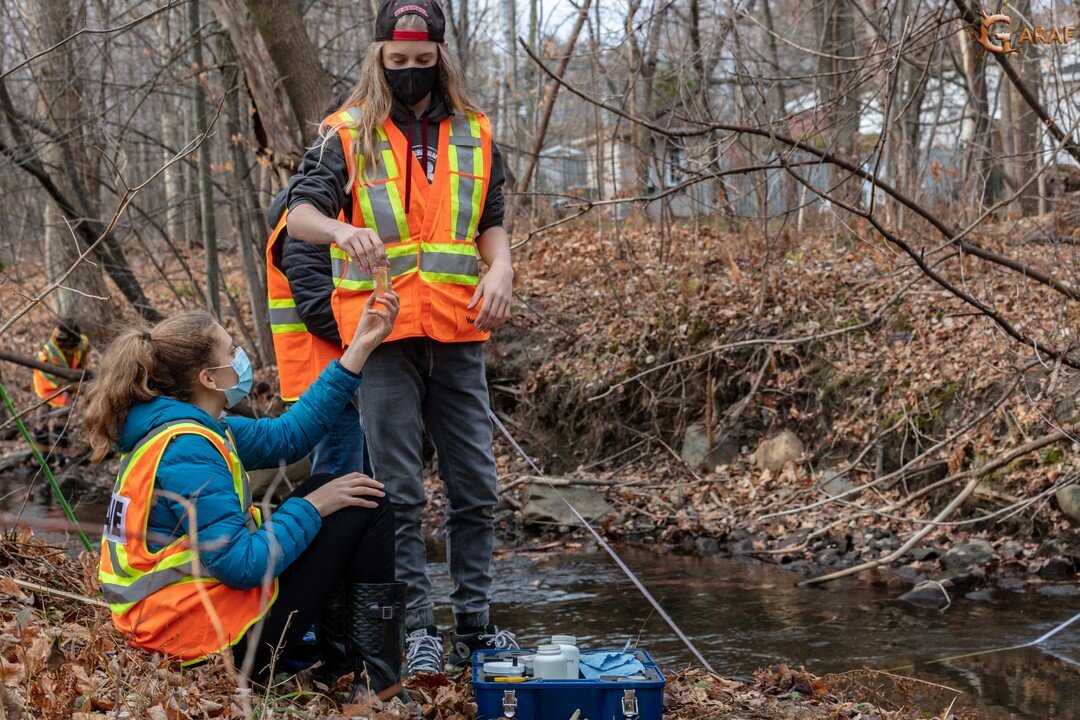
(509, 703)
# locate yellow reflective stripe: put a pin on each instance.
(474, 210)
(358, 285)
(366, 285)
(281, 329)
(404, 234)
(57, 356)
(449, 278)
(285, 302)
(453, 248)
(395, 251)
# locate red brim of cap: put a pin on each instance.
(409, 35)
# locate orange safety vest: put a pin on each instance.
(45, 384)
(167, 601)
(431, 250)
(301, 356)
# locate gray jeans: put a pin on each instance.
(416, 384)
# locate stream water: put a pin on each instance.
(743, 616)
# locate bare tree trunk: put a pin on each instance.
(60, 93)
(276, 131)
(840, 96)
(206, 186)
(1021, 147)
(974, 130)
(458, 22)
(306, 83)
(548, 103)
(906, 139)
(510, 79)
(778, 101)
(244, 193)
(642, 72)
(172, 181)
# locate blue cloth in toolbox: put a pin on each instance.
(618, 664)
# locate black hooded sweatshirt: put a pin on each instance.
(322, 181)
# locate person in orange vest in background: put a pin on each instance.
(406, 182)
(68, 348)
(188, 565)
(305, 332)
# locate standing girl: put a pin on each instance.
(410, 161)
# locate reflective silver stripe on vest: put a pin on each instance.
(466, 187)
(461, 136)
(118, 569)
(452, 263)
(149, 584)
(382, 210)
(285, 316)
(466, 160)
(398, 266)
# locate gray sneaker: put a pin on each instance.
(424, 651)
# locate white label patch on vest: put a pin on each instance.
(116, 519)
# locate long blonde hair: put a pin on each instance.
(375, 99)
(143, 363)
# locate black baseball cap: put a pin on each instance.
(428, 10)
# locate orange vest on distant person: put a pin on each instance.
(167, 601)
(301, 356)
(46, 384)
(431, 250)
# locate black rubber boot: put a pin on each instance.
(330, 638)
(375, 634)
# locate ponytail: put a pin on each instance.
(142, 363)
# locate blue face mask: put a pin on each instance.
(242, 365)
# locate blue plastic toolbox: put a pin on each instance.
(600, 699)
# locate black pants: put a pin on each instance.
(354, 545)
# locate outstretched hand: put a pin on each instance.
(376, 323)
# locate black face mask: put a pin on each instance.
(410, 85)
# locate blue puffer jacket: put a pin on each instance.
(191, 467)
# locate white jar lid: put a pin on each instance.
(548, 649)
(563, 640)
(503, 668)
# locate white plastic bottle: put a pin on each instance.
(550, 663)
(568, 645)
